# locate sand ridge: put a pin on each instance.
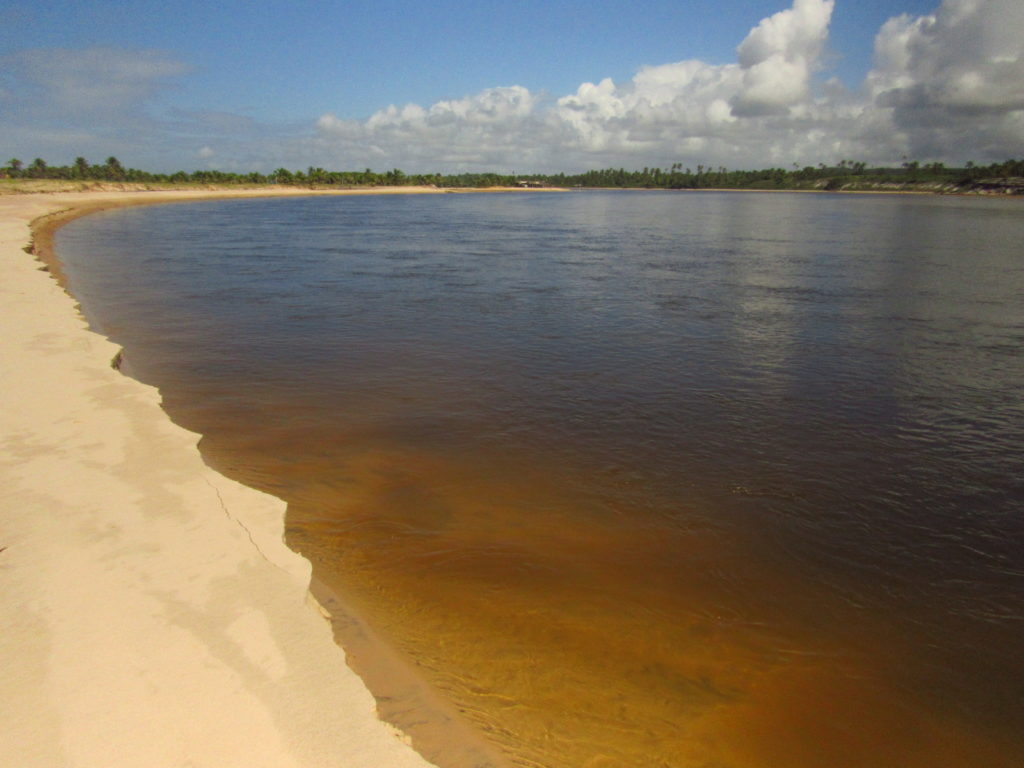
(152, 615)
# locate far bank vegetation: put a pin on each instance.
(845, 175)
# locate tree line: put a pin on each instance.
(112, 170)
(843, 174)
(822, 176)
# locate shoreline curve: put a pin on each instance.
(153, 614)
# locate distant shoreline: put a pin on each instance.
(169, 192)
(880, 191)
(207, 191)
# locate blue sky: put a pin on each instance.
(258, 84)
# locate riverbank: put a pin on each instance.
(152, 614)
(53, 186)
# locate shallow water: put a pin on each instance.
(680, 479)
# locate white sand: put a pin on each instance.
(150, 614)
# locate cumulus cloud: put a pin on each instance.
(476, 131)
(954, 78)
(778, 57)
(966, 58)
(677, 106)
(942, 84)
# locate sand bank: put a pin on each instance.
(151, 614)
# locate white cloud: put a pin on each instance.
(477, 131)
(954, 78)
(671, 104)
(778, 57)
(968, 56)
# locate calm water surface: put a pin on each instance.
(634, 479)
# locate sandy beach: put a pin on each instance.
(152, 615)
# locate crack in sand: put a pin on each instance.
(239, 523)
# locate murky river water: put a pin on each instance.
(632, 479)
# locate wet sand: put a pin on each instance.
(152, 614)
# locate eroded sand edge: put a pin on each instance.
(151, 613)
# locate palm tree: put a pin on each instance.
(81, 170)
(37, 169)
(114, 169)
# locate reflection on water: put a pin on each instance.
(633, 479)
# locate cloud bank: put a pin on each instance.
(947, 86)
(953, 79)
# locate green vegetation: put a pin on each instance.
(845, 175)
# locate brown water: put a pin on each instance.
(632, 479)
